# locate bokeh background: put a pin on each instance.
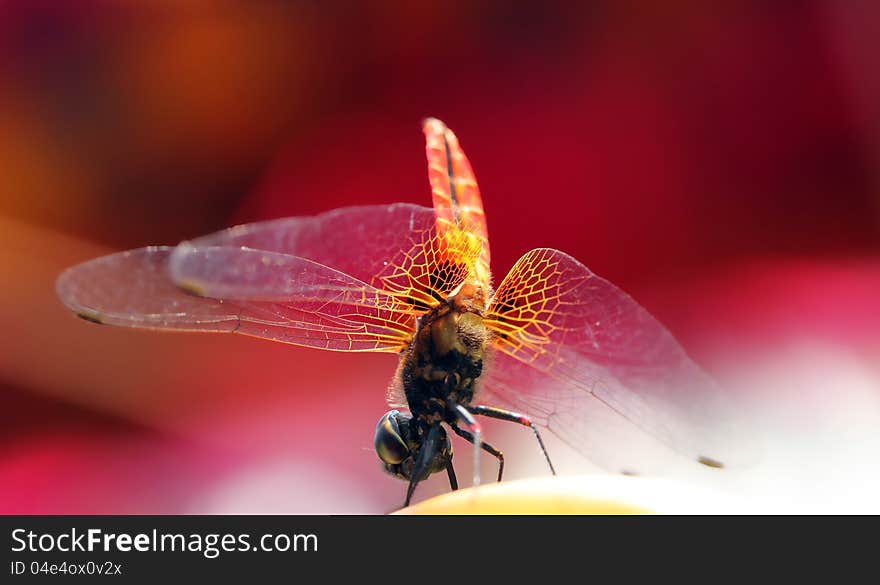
(719, 161)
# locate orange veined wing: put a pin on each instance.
(352, 279)
(589, 363)
(456, 195)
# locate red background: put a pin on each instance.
(719, 162)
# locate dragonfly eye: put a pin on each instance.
(390, 444)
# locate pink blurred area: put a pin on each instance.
(720, 163)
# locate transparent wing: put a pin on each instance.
(352, 279)
(456, 195)
(358, 241)
(394, 248)
(326, 310)
(586, 361)
(132, 289)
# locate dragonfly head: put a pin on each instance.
(397, 442)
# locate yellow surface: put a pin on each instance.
(552, 495)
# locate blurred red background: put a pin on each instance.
(719, 162)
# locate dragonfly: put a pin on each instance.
(554, 347)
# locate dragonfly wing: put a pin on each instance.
(582, 421)
(359, 241)
(241, 273)
(132, 289)
(575, 350)
(294, 283)
(456, 195)
(395, 248)
(135, 289)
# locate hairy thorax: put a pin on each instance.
(441, 366)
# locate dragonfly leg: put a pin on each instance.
(486, 447)
(427, 451)
(476, 437)
(515, 417)
(450, 471)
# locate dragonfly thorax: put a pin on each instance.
(441, 366)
